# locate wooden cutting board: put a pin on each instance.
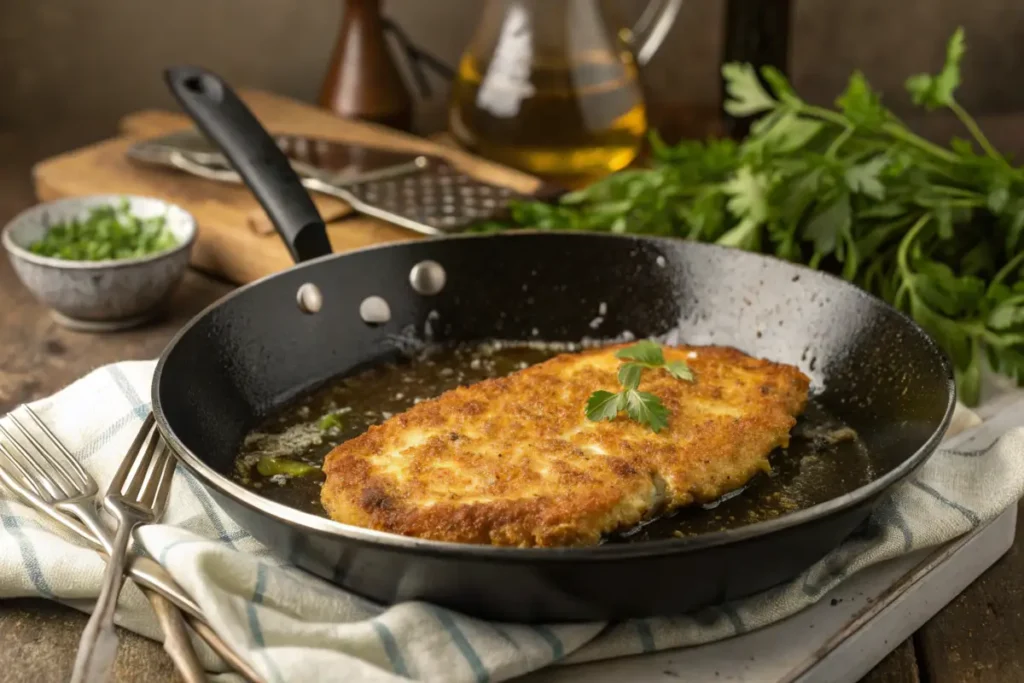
(236, 240)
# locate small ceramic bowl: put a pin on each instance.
(99, 295)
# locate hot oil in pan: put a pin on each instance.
(824, 459)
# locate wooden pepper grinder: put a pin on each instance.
(363, 81)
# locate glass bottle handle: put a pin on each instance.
(650, 29)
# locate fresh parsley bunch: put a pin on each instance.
(936, 231)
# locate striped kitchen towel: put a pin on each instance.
(293, 627)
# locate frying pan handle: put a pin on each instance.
(225, 119)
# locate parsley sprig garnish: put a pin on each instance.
(935, 230)
(641, 406)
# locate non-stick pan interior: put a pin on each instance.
(869, 365)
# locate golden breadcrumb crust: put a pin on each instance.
(514, 461)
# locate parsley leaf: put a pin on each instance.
(680, 370)
(789, 132)
(1006, 315)
(776, 80)
(746, 94)
(747, 195)
(604, 405)
(629, 375)
(829, 225)
(646, 409)
(748, 200)
(933, 92)
(860, 104)
(645, 352)
(863, 178)
(640, 406)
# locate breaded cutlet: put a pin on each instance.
(514, 461)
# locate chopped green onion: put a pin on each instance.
(329, 421)
(269, 466)
(106, 232)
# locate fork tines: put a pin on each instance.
(48, 472)
(143, 479)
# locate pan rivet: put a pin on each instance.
(374, 310)
(427, 277)
(309, 298)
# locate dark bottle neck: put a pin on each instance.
(756, 31)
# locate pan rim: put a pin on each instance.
(313, 524)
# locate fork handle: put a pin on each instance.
(97, 648)
(151, 576)
(176, 640)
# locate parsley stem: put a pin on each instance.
(838, 142)
(976, 202)
(976, 328)
(971, 125)
(1013, 264)
(955, 191)
(901, 254)
(891, 128)
(897, 299)
(906, 136)
(826, 115)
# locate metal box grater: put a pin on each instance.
(420, 192)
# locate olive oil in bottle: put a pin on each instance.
(546, 88)
(585, 122)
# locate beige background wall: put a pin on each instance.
(93, 60)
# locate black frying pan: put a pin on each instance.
(275, 339)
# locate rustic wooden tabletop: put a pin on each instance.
(978, 638)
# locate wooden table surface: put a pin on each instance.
(979, 637)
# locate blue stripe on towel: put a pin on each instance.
(209, 507)
(468, 653)
(103, 438)
(387, 639)
(171, 546)
(257, 599)
(900, 522)
(139, 405)
(174, 544)
(557, 648)
(28, 552)
(971, 516)
(254, 620)
(972, 453)
(643, 631)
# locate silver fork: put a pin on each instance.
(137, 495)
(68, 488)
(36, 489)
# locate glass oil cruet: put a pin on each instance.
(548, 87)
